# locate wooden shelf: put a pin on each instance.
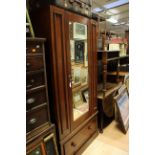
(80, 87)
(117, 58)
(100, 50)
(101, 94)
(121, 73)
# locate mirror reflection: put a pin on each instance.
(79, 68)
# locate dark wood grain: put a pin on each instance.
(36, 118)
(53, 23)
(37, 104)
(80, 138)
(59, 68)
(94, 37)
(34, 63)
(35, 98)
(35, 79)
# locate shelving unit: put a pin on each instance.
(110, 65)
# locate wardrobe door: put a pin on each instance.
(79, 67)
(59, 70)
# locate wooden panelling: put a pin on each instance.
(60, 73)
(94, 37)
(53, 23)
(80, 138)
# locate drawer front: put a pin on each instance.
(35, 80)
(80, 138)
(36, 117)
(34, 47)
(34, 63)
(35, 98)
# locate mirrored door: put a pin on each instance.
(79, 68)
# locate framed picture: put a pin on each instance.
(79, 51)
(126, 82)
(114, 47)
(50, 144)
(84, 75)
(86, 55)
(79, 31)
(72, 50)
(76, 75)
(85, 95)
(77, 99)
(122, 105)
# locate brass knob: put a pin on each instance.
(73, 144)
(30, 100)
(32, 120)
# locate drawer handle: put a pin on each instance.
(32, 121)
(73, 144)
(30, 100)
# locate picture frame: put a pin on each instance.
(84, 75)
(50, 144)
(77, 99)
(86, 55)
(126, 82)
(76, 76)
(72, 50)
(79, 31)
(85, 95)
(79, 51)
(122, 105)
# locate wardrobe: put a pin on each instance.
(71, 60)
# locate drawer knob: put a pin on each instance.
(32, 120)
(37, 46)
(28, 64)
(33, 50)
(73, 144)
(89, 127)
(37, 152)
(30, 100)
(30, 85)
(32, 80)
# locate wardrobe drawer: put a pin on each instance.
(34, 47)
(36, 117)
(80, 138)
(35, 98)
(34, 63)
(35, 80)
